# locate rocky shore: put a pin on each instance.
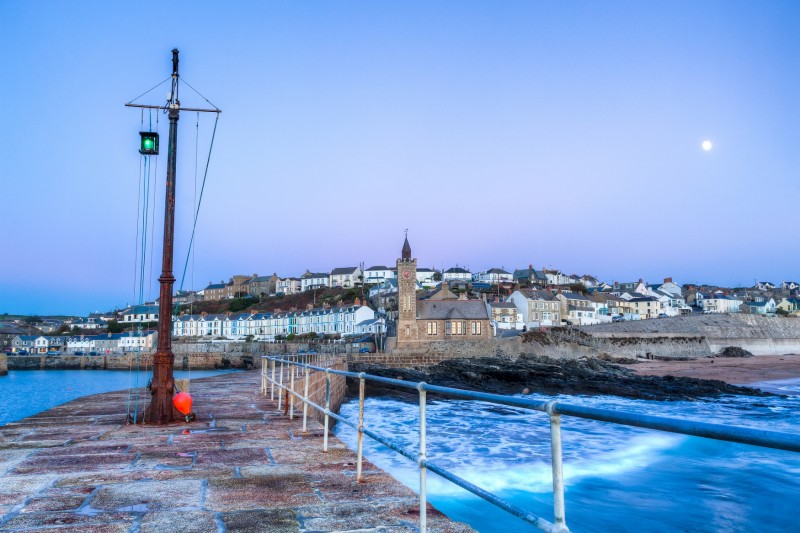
(528, 374)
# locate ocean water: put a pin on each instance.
(26, 392)
(617, 478)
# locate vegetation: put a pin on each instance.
(115, 327)
(240, 304)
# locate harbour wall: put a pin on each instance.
(3, 365)
(183, 361)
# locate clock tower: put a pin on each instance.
(407, 297)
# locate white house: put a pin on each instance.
(425, 277)
(346, 277)
(457, 274)
(140, 313)
(537, 307)
(717, 302)
(378, 274)
(493, 276)
(314, 280)
(134, 341)
(235, 326)
(759, 308)
(789, 286)
(288, 286)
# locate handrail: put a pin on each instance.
(756, 437)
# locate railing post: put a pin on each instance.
(305, 397)
(559, 518)
(280, 387)
(272, 382)
(327, 409)
(264, 367)
(291, 393)
(423, 488)
(360, 425)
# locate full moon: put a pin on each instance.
(707, 145)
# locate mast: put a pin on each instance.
(162, 385)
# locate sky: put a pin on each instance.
(500, 134)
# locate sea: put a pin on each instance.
(617, 478)
(26, 392)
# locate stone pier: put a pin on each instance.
(242, 466)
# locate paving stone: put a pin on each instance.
(179, 521)
(145, 496)
(272, 520)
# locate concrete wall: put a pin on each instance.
(3, 365)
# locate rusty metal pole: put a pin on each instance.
(162, 385)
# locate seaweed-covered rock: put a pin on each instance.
(537, 374)
(734, 351)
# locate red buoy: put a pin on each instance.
(183, 402)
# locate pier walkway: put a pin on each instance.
(242, 466)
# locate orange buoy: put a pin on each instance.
(183, 403)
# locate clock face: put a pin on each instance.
(407, 274)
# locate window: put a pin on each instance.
(433, 328)
(448, 328)
(476, 328)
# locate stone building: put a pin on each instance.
(438, 318)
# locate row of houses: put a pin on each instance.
(108, 343)
(341, 321)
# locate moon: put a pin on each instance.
(707, 145)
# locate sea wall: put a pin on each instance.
(317, 386)
(3, 365)
(183, 361)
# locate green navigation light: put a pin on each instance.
(149, 144)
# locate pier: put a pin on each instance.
(242, 466)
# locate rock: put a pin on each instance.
(734, 351)
(538, 374)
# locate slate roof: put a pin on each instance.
(574, 296)
(343, 270)
(142, 310)
(503, 305)
(528, 273)
(378, 267)
(537, 294)
(497, 271)
(451, 309)
(456, 270)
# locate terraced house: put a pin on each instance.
(354, 319)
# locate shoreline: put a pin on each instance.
(731, 370)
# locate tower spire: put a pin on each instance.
(406, 255)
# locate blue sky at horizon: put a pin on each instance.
(500, 134)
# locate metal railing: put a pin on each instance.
(290, 365)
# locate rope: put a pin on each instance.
(198, 93)
(147, 91)
(200, 201)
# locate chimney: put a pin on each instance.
(203, 313)
(292, 309)
(667, 280)
(277, 310)
(309, 307)
(357, 301)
